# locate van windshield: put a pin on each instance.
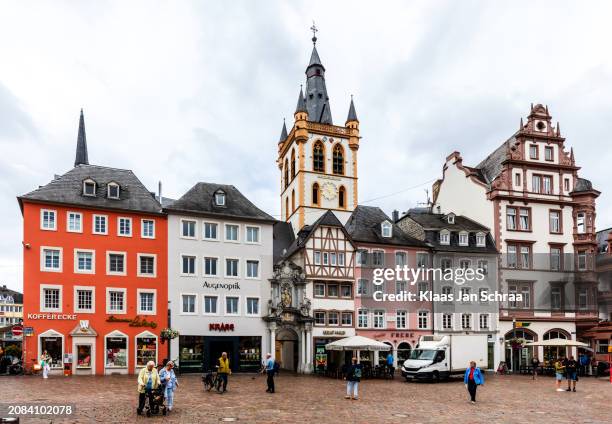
(422, 354)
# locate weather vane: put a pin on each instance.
(314, 30)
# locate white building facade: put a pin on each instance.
(219, 265)
(542, 217)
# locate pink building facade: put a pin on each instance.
(397, 322)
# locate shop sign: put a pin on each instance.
(334, 332)
(402, 335)
(218, 326)
(67, 358)
(133, 322)
(52, 316)
(28, 331)
(226, 286)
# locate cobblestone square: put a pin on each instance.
(310, 399)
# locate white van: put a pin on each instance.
(437, 357)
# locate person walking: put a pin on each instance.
(535, 363)
(559, 371)
(472, 379)
(270, 370)
(390, 366)
(45, 363)
(571, 368)
(224, 371)
(583, 360)
(353, 377)
(148, 380)
(170, 383)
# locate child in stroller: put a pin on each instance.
(156, 404)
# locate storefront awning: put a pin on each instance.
(557, 342)
(357, 343)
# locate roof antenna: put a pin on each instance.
(314, 30)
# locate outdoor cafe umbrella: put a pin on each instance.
(357, 343)
(557, 342)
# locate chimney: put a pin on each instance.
(395, 215)
(159, 191)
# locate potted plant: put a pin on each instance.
(517, 342)
(168, 334)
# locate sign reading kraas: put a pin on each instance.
(220, 326)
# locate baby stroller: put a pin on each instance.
(156, 402)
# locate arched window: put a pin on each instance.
(292, 164)
(292, 200)
(338, 160)
(318, 157)
(315, 194)
(287, 208)
(286, 173)
(342, 197)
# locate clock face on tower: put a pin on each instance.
(329, 190)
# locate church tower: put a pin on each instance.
(317, 159)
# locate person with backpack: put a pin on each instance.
(270, 370)
(353, 377)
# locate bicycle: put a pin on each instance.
(211, 379)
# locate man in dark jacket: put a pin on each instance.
(353, 377)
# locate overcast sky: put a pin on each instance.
(196, 91)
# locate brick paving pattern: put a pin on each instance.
(309, 399)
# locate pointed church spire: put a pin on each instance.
(81, 150)
(301, 103)
(283, 135)
(352, 114)
(317, 100)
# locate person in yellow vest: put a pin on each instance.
(224, 371)
(148, 380)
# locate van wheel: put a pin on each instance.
(436, 377)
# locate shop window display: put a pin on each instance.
(83, 356)
(116, 352)
(146, 350)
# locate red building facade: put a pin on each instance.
(95, 270)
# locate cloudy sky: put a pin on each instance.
(196, 91)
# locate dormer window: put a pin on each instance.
(112, 191)
(386, 229)
(480, 240)
(451, 218)
(463, 238)
(220, 198)
(445, 237)
(89, 187)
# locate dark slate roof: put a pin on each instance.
(314, 58)
(602, 240)
(328, 219)
(200, 200)
(301, 103)
(364, 225)
(582, 184)
(283, 236)
(491, 166)
(68, 189)
(433, 223)
(352, 114)
(81, 157)
(284, 134)
(17, 296)
(317, 100)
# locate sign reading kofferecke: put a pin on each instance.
(53, 316)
